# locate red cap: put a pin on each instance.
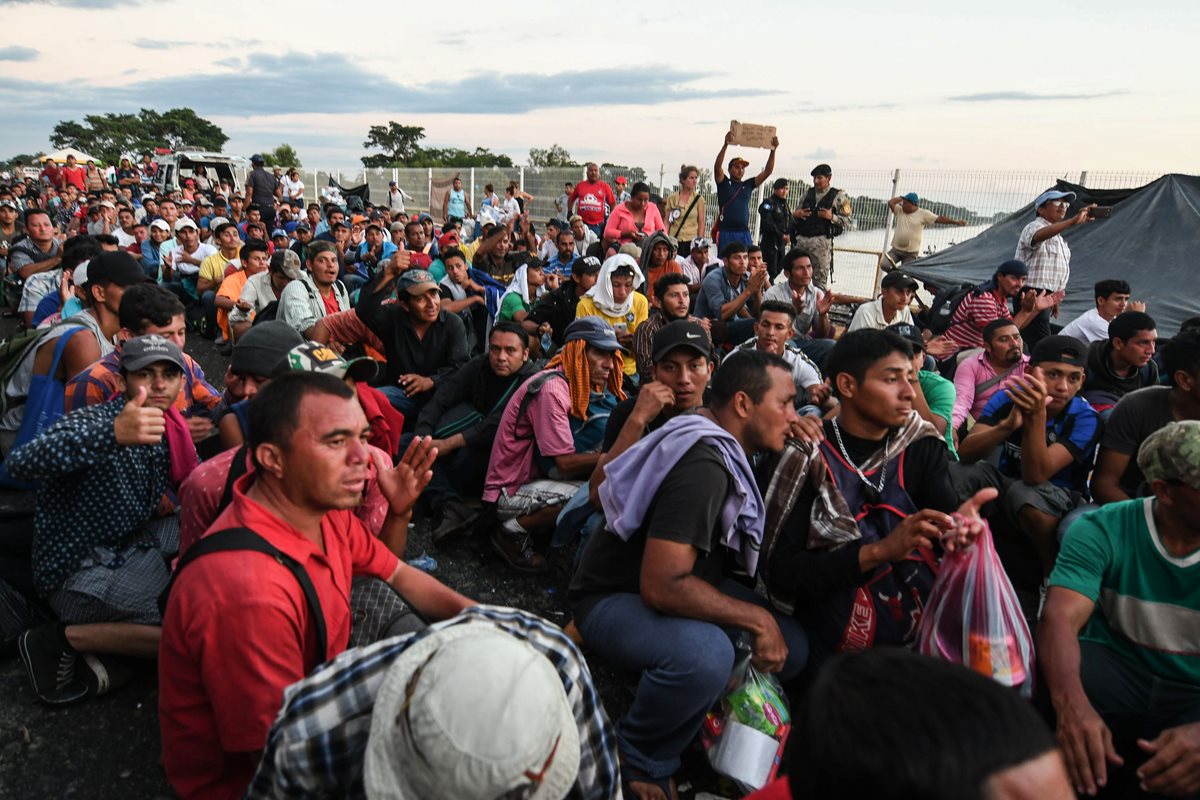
(446, 239)
(620, 179)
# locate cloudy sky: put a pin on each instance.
(1064, 86)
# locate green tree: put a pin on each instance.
(108, 137)
(456, 157)
(554, 156)
(282, 156)
(399, 143)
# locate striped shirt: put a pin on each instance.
(318, 744)
(973, 315)
(102, 380)
(1049, 260)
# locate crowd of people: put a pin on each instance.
(638, 390)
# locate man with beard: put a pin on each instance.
(982, 375)
(772, 330)
(670, 303)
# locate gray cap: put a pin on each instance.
(261, 349)
(142, 351)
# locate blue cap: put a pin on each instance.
(1053, 194)
(913, 198)
(1013, 267)
(595, 331)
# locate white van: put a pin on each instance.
(174, 168)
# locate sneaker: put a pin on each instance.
(51, 664)
(456, 518)
(517, 551)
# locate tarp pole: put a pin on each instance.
(890, 218)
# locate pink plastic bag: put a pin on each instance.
(973, 617)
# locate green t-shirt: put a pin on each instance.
(940, 394)
(512, 304)
(1147, 601)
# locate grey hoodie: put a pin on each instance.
(648, 247)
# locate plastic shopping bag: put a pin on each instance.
(973, 617)
(744, 740)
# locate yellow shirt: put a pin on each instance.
(631, 321)
(213, 267)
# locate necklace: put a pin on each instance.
(837, 432)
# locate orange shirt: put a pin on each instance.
(231, 287)
(654, 273)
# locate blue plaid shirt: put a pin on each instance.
(318, 744)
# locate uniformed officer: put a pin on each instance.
(774, 221)
(823, 213)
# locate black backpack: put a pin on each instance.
(945, 303)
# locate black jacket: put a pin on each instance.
(557, 308)
(471, 401)
(441, 352)
(774, 219)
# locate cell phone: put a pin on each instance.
(1100, 212)
(620, 328)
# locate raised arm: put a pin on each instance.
(770, 165)
(718, 165)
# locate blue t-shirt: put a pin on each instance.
(1077, 428)
(387, 252)
(735, 204)
(560, 267)
(715, 292)
(457, 205)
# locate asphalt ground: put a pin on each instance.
(109, 747)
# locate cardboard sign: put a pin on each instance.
(748, 135)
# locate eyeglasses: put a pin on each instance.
(1057, 202)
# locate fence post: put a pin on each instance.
(521, 173)
(1083, 178)
(754, 209)
(474, 207)
(429, 193)
(889, 218)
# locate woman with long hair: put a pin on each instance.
(633, 220)
(685, 209)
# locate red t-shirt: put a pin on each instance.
(237, 632)
(592, 197)
(331, 302)
(973, 315)
(75, 177)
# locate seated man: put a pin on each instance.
(614, 300)
(372, 255)
(1117, 476)
(1115, 641)
(147, 309)
(584, 236)
(101, 550)
(254, 260)
(812, 332)
(670, 302)
(1112, 300)
(696, 264)
(558, 306)
(729, 296)
(424, 344)
(854, 522)
(653, 591)
(772, 330)
(933, 395)
(549, 436)
(463, 416)
(980, 376)
(262, 292)
(255, 358)
(508, 688)
(563, 259)
(219, 696)
(1047, 435)
(1123, 362)
(317, 294)
(892, 305)
(467, 295)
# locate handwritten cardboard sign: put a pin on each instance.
(748, 135)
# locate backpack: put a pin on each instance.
(945, 303)
(13, 352)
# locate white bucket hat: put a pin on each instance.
(471, 712)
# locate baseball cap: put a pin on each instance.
(161, 224)
(1060, 349)
(1013, 267)
(377, 226)
(391, 183)
(287, 262)
(279, 232)
(185, 222)
(257, 159)
(821, 169)
(415, 281)
(107, 204)
(899, 279)
(1172, 453)
(142, 351)
(586, 266)
(595, 331)
(316, 357)
(913, 198)
(114, 267)
(397, 226)
(358, 219)
(910, 332)
(183, 201)
(303, 226)
(1053, 194)
(779, 183)
(79, 274)
(621, 178)
(446, 239)
(680, 333)
(217, 222)
(261, 348)
(426, 738)
(737, 159)
(204, 201)
(700, 243)
(9, 204)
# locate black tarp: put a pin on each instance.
(1151, 240)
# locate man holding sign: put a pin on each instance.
(734, 192)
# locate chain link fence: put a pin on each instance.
(981, 197)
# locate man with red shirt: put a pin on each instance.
(73, 175)
(238, 628)
(593, 196)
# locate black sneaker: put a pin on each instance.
(517, 551)
(456, 518)
(51, 664)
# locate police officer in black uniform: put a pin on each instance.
(774, 219)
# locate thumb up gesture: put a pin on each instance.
(138, 423)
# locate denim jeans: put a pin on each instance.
(685, 666)
(410, 407)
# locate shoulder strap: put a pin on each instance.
(535, 386)
(246, 539)
(992, 381)
(688, 213)
(237, 468)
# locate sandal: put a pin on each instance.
(631, 775)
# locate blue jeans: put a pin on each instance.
(685, 666)
(738, 330)
(410, 407)
(725, 237)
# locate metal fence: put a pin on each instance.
(979, 196)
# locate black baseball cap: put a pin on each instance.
(910, 332)
(114, 267)
(680, 333)
(586, 265)
(898, 278)
(1060, 349)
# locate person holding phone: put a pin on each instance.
(1044, 250)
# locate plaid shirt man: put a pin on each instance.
(1049, 261)
(318, 744)
(102, 380)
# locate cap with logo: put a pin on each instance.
(910, 332)
(899, 279)
(595, 331)
(142, 351)
(415, 282)
(279, 232)
(1172, 453)
(287, 262)
(316, 357)
(1053, 194)
(700, 243)
(680, 333)
(1059, 349)
(588, 265)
